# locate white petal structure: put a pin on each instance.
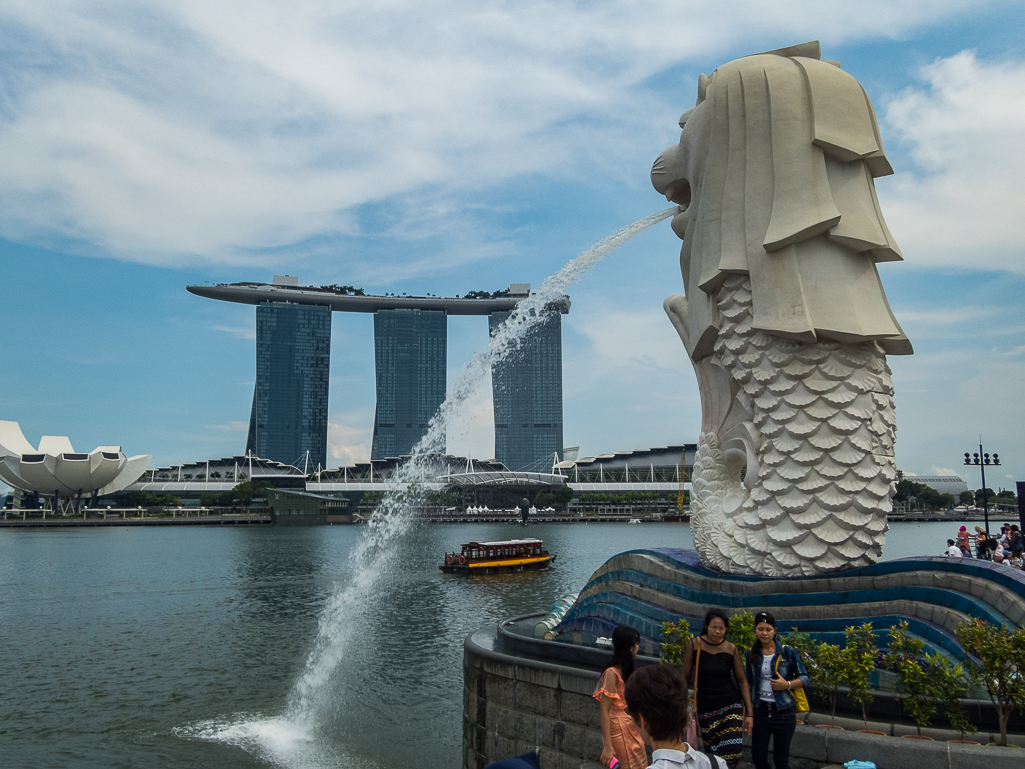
(56, 468)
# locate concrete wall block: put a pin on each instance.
(546, 678)
(498, 718)
(808, 742)
(580, 709)
(499, 690)
(979, 588)
(497, 668)
(574, 738)
(471, 758)
(592, 746)
(886, 752)
(537, 700)
(577, 685)
(986, 757)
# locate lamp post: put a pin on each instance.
(982, 459)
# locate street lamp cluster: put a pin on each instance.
(981, 459)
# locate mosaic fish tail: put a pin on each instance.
(795, 468)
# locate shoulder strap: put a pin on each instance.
(697, 659)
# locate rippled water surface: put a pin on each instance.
(179, 647)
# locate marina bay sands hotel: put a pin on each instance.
(288, 422)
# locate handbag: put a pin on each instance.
(692, 735)
(800, 698)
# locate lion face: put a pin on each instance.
(676, 172)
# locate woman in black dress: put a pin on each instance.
(724, 708)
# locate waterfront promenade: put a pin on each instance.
(34, 519)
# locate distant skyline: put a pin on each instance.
(456, 147)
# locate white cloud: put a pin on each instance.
(934, 470)
(962, 205)
(239, 332)
(348, 445)
(629, 339)
(173, 132)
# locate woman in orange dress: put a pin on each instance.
(619, 736)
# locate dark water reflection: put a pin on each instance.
(117, 641)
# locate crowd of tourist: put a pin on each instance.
(1005, 548)
(736, 694)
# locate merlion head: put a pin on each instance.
(780, 149)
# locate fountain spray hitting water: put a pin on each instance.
(344, 613)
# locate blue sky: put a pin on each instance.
(450, 146)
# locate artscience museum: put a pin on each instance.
(58, 474)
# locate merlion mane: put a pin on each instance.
(784, 318)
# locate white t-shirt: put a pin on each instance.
(954, 551)
(678, 759)
(765, 681)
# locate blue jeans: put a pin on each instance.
(780, 726)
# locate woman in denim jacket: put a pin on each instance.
(773, 671)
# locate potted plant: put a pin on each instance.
(677, 635)
(950, 684)
(742, 630)
(859, 660)
(830, 663)
(807, 650)
(1000, 655)
(912, 680)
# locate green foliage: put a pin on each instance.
(486, 294)
(950, 683)
(912, 681)
(921, 495)
(742, 630)
(830, 664)
(989, 495)
(560, 497)
(859, 660)
(145, 499)
(676, 636)
(346, 290)
(627, 498)
(241, 495)
(966, 498)
(1000, 652)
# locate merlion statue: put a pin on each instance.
(784, 318)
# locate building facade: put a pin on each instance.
(411, 357)
(526, 387)
(288, 422)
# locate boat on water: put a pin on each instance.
(498, 557)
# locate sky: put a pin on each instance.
(450, 146)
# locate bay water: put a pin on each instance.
(138, 647)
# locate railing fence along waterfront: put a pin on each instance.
(133, 516)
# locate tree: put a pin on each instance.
(859, 660)
(564, 495)
(742, 630)
(966, 498)
(990, 494)
(950, 683)
(912, 680)
(1000, 652)
(831, 669)
(677, 635)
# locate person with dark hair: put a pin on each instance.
(619, 736)
(656, 698)
(774, 671)
(715, 669)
